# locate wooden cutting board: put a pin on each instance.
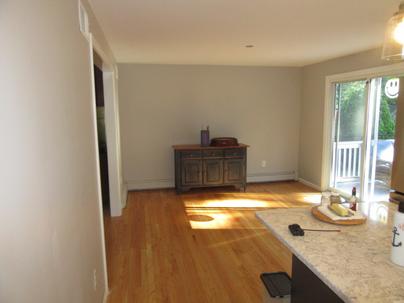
(319, 215)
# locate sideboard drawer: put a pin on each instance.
(236, 152)
(214, 153)
(191, 154)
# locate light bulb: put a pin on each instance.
(398, 33)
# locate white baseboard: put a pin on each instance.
(106, 293)
(271, 177)
(150, 184)
(169, 183)
(124, 195)
(309, 184)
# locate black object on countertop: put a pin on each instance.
(296, 230)
(278, 284)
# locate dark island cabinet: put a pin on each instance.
(197, 166)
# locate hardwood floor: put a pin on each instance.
(157, 253)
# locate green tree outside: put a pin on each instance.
(351, 97)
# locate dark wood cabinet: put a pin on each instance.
(191, 173)
(234, 171)
(212, 172)
(197, 166)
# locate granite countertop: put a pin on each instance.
(354, 263)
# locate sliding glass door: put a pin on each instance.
(348, 135)
(380, 133)
(363, 137)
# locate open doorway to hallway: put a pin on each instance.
(102, 142)
(107, 115)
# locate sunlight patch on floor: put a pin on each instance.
(220, 221)
(235, 203)
(200, 218)
(312, 198)
(228, 210)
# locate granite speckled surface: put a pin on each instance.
(354, 263)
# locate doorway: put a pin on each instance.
(117, 192)
(102, 142)
(363, 131)
(106, 114)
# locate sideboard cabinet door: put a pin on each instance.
(191, 172)
(233, 170)
(212, 172)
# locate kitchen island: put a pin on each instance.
(354, 264)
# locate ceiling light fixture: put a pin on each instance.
(393, 47)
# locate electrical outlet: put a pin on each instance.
(263, 163)
(95, 279)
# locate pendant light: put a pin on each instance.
(393, 47)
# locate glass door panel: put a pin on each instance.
(381, 133)
(348, 135)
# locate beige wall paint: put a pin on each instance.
(162, 105)
(50, 233)
(312, 107)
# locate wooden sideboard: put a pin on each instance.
(197, 166)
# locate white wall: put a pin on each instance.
(50, 231)
(162, 105)
(312, 107)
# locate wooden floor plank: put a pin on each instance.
(156, 253)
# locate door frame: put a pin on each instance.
(118, 192)
(381, 71)
(90, 38)
(117, 188)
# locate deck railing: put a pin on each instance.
(347, 159)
